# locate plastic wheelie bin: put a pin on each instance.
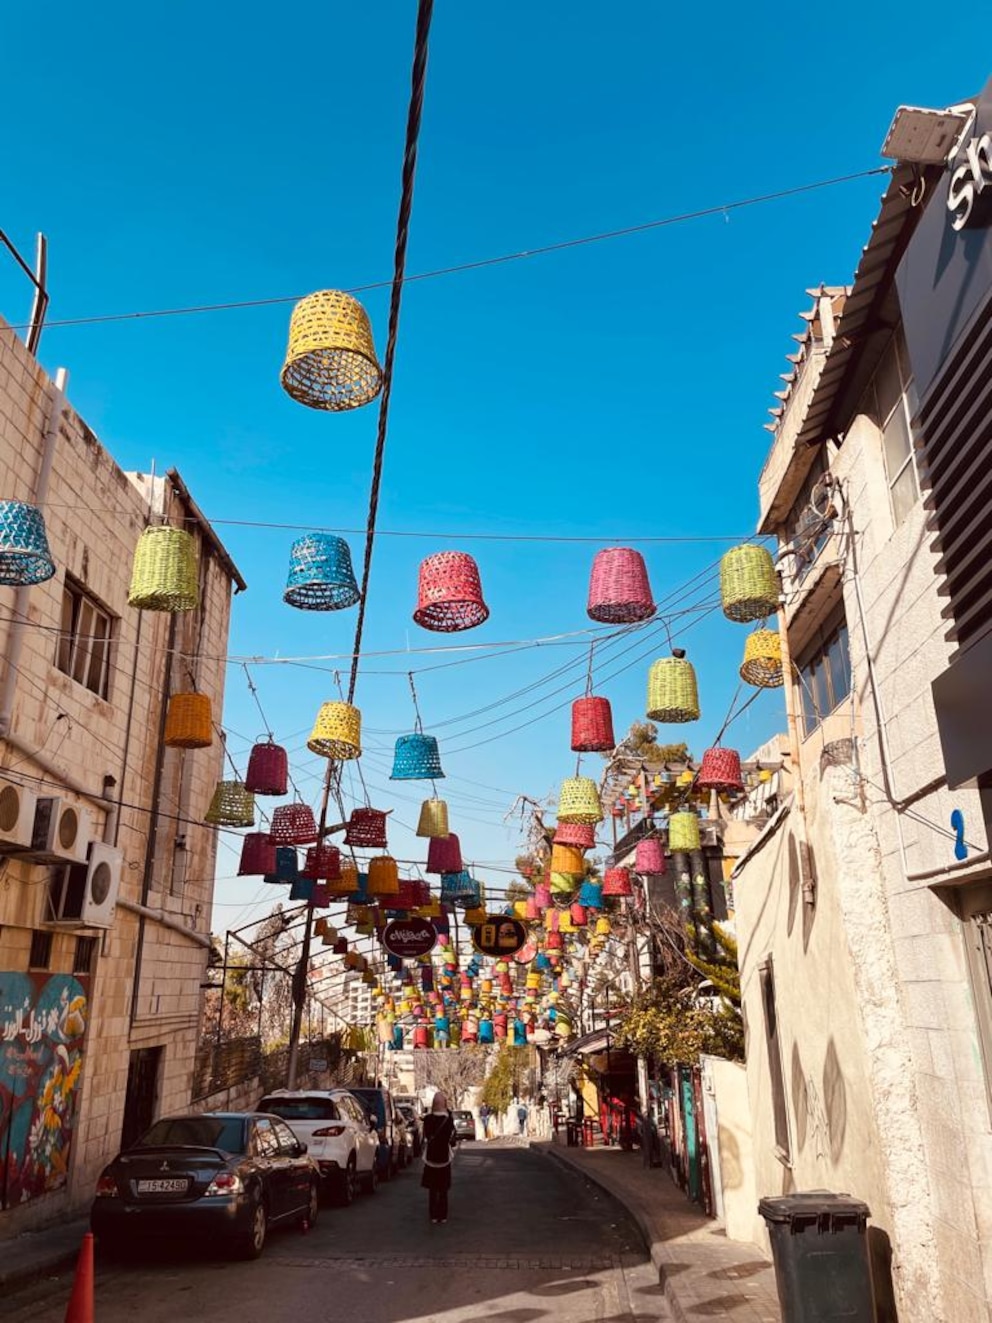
(820, 1248)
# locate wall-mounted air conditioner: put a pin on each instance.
(61, 832)
(85, 895)
(17, 809)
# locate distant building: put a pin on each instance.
(106, 875)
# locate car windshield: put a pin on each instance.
(462, 1116)
(223, 1132)
(373, 1102)
(300, 1109)
(407, 1113)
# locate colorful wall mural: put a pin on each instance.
(42, 1031)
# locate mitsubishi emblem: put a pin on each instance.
(164, 1167)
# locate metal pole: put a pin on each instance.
(223, 989)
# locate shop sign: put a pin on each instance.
(499, 936)
(969, 180)
(409, 938)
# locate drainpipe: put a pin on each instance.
(165, 921)
(22, 597)
(805, 862)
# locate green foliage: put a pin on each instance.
(721, 968)
(505, 1076)
(665, 1021)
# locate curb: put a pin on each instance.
(39, 1265)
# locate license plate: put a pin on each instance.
(172, 1185)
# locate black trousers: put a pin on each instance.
(438, 1204)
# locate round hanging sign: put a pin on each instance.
(499, 936)
(408, 938)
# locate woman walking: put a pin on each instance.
(439, 1138)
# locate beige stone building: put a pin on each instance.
(862, 930)
(106, 873)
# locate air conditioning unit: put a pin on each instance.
(17, 809)
(85, 895)
(61, 832)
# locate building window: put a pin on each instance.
(976, 911)
(40, 956)
(893, 403)
(807, 530)
(85, 638)
(824, 675)
(82, 961)
(773, 1044)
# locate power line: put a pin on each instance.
(721, 209)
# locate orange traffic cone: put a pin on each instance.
(80, 1308)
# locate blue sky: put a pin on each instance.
(615, 391)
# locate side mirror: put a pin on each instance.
(301, 1148)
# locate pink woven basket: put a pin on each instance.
(582, 834)
(323, 862)
(619, 591)
(720, 769)
(444, 854)
(449, 596)
(293, 824)
(367, 828)
(616, 882)
(649, 857)
(592, 725)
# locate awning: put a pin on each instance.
(588, 1045)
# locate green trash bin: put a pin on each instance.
(820, 1248)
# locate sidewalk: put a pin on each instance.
(704, 1274)
(37, 1254)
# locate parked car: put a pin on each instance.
(464, 1125)
(378, 1103)
(228, 1176)
(336, 1130)
(414, 1125)
(410, 1100)
(404, 1131)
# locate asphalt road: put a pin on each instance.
(526, 1240)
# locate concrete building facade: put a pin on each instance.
(99, 1007)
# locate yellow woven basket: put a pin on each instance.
(337, 732)
(683, 831)
(748, 583)
(331, 361)
(231, 806)
(578, 801)
(433, 819)
(384, 878)
(164, 576)
(189, 722)
(762, 665)
(567, 859)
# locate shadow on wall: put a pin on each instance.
(820, 1110)
(796, 891)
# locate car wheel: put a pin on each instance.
(346, 1184)
(254, 1237)
(372, 1180)
(309, 1218)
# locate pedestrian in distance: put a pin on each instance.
(484, 1118)
(522, 1117)
(439, 1141)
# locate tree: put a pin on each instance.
(505, 1077)
(667, 1021)
(453, 1070)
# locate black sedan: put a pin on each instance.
(216, 1175)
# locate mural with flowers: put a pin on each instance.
(42, 1031)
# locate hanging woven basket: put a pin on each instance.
(449, 596)
(762, 665)
(578, 801)
(165, 576)
(649, 856)
(331, 361)
(337, 732)
(582, 834)
(720, 769)
(567, 859)
(189, 722)
(564, 884)
(24, 555)
(323, 862)
(293, 824)
(347, 884)
(366, 829)
(433, 819)
(458, 888)
(384, 878)
(619, 591)
(683, 831)
(616, 882)
(416, 758)
(578, 915)
(748, 583)
(301, 888)
(231, 806)
(258, 855)
(268, 769)
(321, 577)
(672, 692)
(592, 725)
(444, 854)
(542, 895)
(591, 895)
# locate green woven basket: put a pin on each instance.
(672, 692)
(748, 583)
(578, 801)
(165, 576)
(232, 806)
(683, 831)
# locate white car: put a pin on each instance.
(336, 1130)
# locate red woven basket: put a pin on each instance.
(268, 770)
(293, 824)
(619, 591)
(323, 862)
(649, 857)
(720, 769)
(449, 596)
(582, 834)
(592, 725)
(616, 882)
(444, 854)
(367, 828)
(258, 854)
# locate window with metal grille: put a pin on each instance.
(773, 1045)
(976, 911)
(85, 639)
(40, 956)
(82, 961)
(806, 531)
(892, 402)
(824, 673)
